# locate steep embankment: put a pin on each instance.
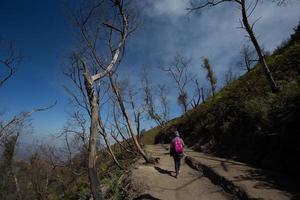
(246, 121)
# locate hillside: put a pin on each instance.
(245, 121)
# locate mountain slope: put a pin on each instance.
(245, 120)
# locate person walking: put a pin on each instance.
(177, 150)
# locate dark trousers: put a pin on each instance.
(177, 159)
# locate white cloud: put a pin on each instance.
(172, 8)
(213, 33)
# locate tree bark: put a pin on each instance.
(128, 121)
(93, 100)
(261, 58)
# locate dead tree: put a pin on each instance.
(81, 100)
(98, 28)
(248, 58)
(120, 100)
(247, 10)
(8, 128)
(163, 99)
(136, 110)
(229, 76)
(6, 166)
(159, 118)
(210, 75)
(179, 72)
(120, 127)
(42, 173)
(202, 95)
(9, 59)
(9, 134)
(198, 95)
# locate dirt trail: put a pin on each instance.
(158, 182)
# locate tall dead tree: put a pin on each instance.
(248, 58)
(210, 75)
(198, 95)
(98, 29)
(120, 100)
(119, 126)
(160, 118)
(163, 99)
(247, 8)
(81, 100)
(136, 110)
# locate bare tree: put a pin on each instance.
(198, 95)
(119, 126)
(9, 59)
(179, 71)
(248, 58)
(229, 76)
(9, 135)
(164, 102)
(211, 77)
(7, 129)
(120, 100)
(247, 9)
(159, 118)
(76, 127)
(137, 110)
(80, 98)
(97, 29)
(6, 166)
(40, 173)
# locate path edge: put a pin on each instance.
(217, 179)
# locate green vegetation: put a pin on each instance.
(245, 120)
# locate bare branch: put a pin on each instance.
(20, 118)
(209, 3)
(9, 61)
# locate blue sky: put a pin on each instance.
(43, 35)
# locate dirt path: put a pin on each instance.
(158, 182)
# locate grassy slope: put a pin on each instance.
(245, 120)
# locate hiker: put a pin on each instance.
(176, 150)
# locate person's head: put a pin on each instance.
(176, 133)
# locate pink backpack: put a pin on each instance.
(178, 145)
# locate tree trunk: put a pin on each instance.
(93, 100)
(213, 89)
(261, 58)
(128, 121)
(202, 95)
(17, 186)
